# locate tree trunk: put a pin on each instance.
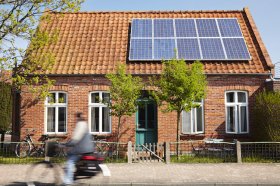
(119, 126)
(178, 137)
(2, 138)
(118, 135)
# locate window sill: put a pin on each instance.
(64, 135)
(101, 134)
(233, 134)
(194, 134)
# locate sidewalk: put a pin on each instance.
(162, 174)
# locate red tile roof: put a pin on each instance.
(94, 42)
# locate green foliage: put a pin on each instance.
(259, 159)
(179, 85)
(124, 92)
(5, 106)
(196, 159)
(18, 23)
(266, 116)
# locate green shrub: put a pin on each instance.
(5, 106)
(266, 116)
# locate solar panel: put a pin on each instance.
(236, 48)
(142, 28)
(207, 28)
(205, 39)
(229, 28)
(212, 48)
(140, 49)
(188, 49)
(163, 28)
(164, 49)
(185, 28)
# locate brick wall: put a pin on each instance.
(273, 85)
(78, 89)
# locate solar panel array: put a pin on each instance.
(189, 39)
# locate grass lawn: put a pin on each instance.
(257, 159)
(199, 159)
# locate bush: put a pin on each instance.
(5, 107)
(266, 116)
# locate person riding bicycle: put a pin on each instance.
(80, 143)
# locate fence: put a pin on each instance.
(219, 151)
(149, 152)
(112, 152)
(260, 151)
(188, 152)
(203, 151)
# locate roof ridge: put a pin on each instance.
(150, 11)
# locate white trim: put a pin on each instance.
(99, 106)
(237, 111)
(193, 122)
(55, 105)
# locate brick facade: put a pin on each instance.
(78, 89)
(91, 45)
(273, 85)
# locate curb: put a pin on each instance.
(181, 184)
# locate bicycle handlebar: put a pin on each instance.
(27, 131)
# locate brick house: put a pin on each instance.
(92, 43)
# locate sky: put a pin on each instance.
(266, 13)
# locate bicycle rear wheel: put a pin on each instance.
(22, 149)
(43, 173)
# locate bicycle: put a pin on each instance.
(27, 146)
(45, 172)
(107, 149)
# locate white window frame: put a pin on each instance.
(237, 111)
(56, 105)
(98, 105)
(194, 119)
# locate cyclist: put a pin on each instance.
(80, 143)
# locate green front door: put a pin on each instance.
(146, 122)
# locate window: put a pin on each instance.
(236, 112)
(99, 120)
(56, 112)
(193, 121)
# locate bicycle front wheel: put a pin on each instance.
(22, 149)
(43, 173)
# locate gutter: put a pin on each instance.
(241, 74)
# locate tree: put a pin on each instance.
(124, 92)
(5, 108)
(18, 24)
(179, 86)
(266, 116)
